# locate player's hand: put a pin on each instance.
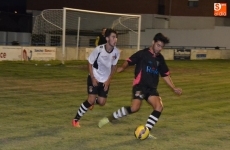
(94, 81)
(178, 91)
(106, 85)
(120, 69)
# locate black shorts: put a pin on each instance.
(98, 90)
(142, 92)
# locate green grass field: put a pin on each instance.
(39, 102)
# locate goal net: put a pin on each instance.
(69, 27)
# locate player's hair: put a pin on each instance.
(109, 31)
(161, 37)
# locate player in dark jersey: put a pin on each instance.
(149, 65)
(101, 38)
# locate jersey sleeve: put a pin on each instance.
(135, 58)
(93, 55)
(164, 70)
(116, 57)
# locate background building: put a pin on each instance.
(186, 22)
(163, 7)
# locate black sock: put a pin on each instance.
(153, 118)
(121, 112)
(82, 110)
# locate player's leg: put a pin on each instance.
(94, 103)
(121, 112)
(92, 93)
(102, 94)
(157, 105)
(125, 110)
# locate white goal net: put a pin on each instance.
(69, 27)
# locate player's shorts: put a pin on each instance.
(97, 90)
(141, 92)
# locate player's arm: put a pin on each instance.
(91, 59)
(130, 61)
(90, 67)
(123, 67)
(164, 72)
(169, 81)
(113, 70)
(94, 80)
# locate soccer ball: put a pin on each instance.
(141, 132)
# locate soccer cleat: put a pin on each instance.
(103, 122)
(91, 107)
(151, 137)
(76, 123)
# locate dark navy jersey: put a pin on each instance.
(102, 40)
(148, 68)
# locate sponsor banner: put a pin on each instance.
(201, 56)
(12, 53)
(182, 54)
(38, 53)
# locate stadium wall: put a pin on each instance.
(20, 53)
(182, 31)
(169, 54)
(191, 37)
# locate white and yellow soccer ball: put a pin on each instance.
(141, 132)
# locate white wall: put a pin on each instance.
(182, 31)
(219, 36)
(182, 22)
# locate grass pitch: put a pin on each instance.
(39, 101)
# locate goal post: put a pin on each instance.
(78, 29)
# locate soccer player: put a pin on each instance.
(149, 64)
(102, 65)
(101, 38)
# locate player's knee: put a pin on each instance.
(91, 101)
(102, 102)
(159, 107)
(135, 109)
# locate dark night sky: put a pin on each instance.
(13, 5)
(13, 16)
